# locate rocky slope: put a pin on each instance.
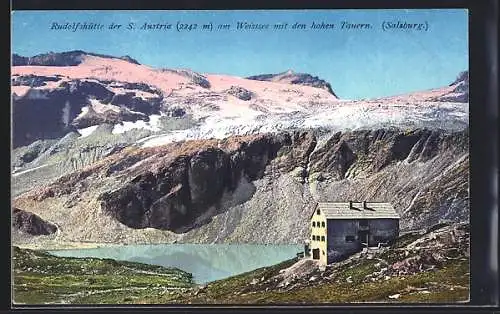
(223, 190)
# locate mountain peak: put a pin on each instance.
(462, 77)
(292, 77)
(67, 58)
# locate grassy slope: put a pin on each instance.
(447, 285)
(43, 278)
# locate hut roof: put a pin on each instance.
(342, 210)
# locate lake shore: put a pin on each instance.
(59, 245)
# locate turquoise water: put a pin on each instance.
(207, 262)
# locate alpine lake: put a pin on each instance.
(206, 262)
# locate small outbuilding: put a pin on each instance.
(341, 229)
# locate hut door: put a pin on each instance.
(315, 253)
(363, 238)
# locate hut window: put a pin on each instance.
(323, 238)
(349, 238)
(314, 238)
(323, 224)
(318, 212)
(323, 252)
(314, 224)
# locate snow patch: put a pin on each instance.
(132, 111)
(87, 131)
(65, 113)
(120, 90)
(99, 107)
(84, 111)
(15, 174)
(174, 136)
(36, 94)
(152, 125)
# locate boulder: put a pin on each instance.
(27, 222)
(240, 93)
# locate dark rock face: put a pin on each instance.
(296, 152)
(30, 223)
(177, 194)
(397, 149)
(295, 78)
(240, 93)
(84, 89)
(461, 91)
(200, 80)
(47, 114)
(463, 77)
(377, 149)
(51, 113)
(128, 59)
(195, 78)
(69, 58)
(176, 112)
(110, 117)
(204, 176)
(314, 81)
(42, 118)
(142, 87)
(129, 100)
(335, 157)
(33, 80)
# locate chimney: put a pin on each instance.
(364, 205)
(350, 205)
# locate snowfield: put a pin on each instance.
(341, 117)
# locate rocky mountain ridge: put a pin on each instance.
(67, 58)
(221, 190)
(295, 78)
